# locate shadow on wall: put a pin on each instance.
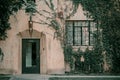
(1, 55)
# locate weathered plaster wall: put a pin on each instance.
(52, 57)
(79, 15)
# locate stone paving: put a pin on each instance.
(30, 77)
(46, 77)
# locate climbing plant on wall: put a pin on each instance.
(107, 13)
(7, 7)
(55, 14)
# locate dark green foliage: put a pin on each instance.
(68, 55)
(56, 25)
(89, 60)
(78, 65)
(7, 7)
(30, 6)
(107, 13)
(92, 63)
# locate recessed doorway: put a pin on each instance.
(31, 56)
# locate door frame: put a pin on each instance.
(25, 69)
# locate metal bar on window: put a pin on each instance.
(89, 32)
(73, 33)
(81, 34)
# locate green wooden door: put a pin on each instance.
(31, 56)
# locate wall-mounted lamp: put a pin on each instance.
(30, 24)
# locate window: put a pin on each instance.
(80, 32)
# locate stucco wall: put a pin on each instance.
(54, 61)
(52, 57)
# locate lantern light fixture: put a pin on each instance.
(30, 24)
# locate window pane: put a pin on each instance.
(77, 36)
(70, 38)
(85, 36)
(85, 23)
(69, 33)
(91, 39)
(31, 54)
(69, 23)
(92, 31)
(80, 32)
(77, 23)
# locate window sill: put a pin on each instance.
(83, 48)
